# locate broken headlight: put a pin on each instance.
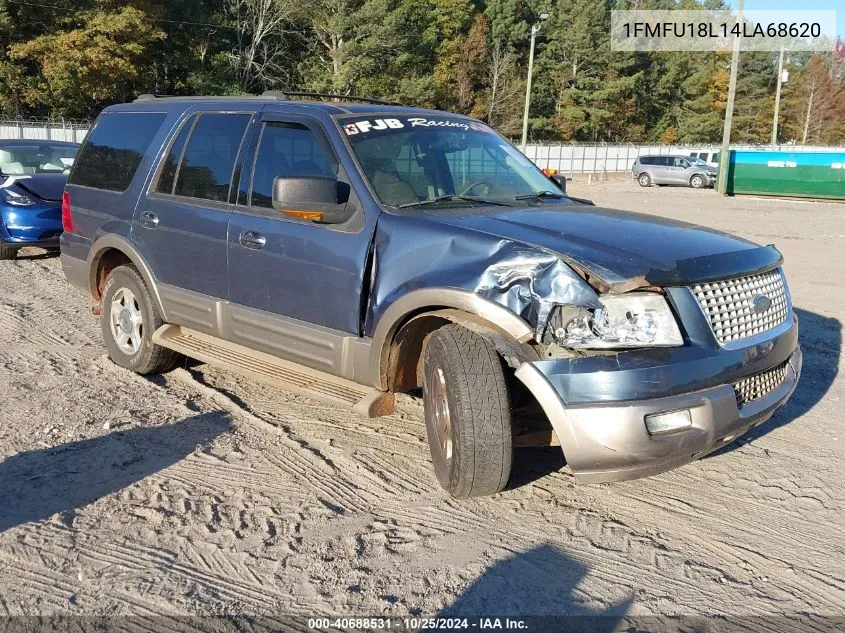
(637, 319)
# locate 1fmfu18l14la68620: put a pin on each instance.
(353, 251)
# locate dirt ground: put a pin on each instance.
(200, 492)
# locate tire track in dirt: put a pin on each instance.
(320, 511)
(140, 558)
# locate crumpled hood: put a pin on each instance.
(620, 250)
(45, 186)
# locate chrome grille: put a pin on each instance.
(755, 387)
(729, 307)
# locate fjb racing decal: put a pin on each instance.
(377, 125)
(372, 126)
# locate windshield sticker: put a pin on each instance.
(374, 126)
(380, 125)
(462, 125)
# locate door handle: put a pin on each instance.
(149, 220)
(253, 240)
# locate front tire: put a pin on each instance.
(697, 181)
(467, 413)
(644, 180)
(128, 319)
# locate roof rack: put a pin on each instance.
(273, 94)
(151, 97)
(284, 94)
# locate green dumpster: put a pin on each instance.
(794, 174)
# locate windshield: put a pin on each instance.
(415, 161)
(36, 158)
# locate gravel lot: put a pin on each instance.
(200, 492)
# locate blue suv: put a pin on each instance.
(352, 251)
(32, 177)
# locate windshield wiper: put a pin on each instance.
(450, 198)
(540, 195)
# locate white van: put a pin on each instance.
(709, 156)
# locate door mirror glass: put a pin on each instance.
(316, 198)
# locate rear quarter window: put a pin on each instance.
(114, 149)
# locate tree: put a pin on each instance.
(259, 60)
(815, 104)
(84, 68)
(504, 89)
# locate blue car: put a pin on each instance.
(32, 178)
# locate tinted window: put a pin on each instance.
(647, 160)
(209, 157)
(114, 149)
(286, 149)
(168, 172)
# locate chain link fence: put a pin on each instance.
(35, 129)
(567, 158)
(570, 159)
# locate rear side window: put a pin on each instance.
(114, 149)
(286, 149)
(209, 158)
(646, 160)
(168, 172)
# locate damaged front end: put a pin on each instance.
(567, 314)
(532, 284)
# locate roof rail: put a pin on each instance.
(151, 97)
(284, 94)
(270, 94)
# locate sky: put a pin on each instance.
(816, 5)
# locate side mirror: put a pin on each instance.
(559, 180)
(316, 198)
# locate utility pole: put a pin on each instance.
(534, 30)
(725, 154)
(777, 100)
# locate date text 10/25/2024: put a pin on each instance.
(417, 623)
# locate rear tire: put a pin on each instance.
(644, 180)
(467, 413)
(8, 252)
(128, 319)
(697, 181)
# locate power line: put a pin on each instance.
(53, 6)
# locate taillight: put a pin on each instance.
(67, 216)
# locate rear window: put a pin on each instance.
(114, 149)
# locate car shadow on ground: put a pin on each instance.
(34, 485)
(36, 253)
(536, 585)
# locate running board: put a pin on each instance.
(366, 401)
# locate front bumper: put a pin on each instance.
(608, 441)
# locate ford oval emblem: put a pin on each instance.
(761, 303)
